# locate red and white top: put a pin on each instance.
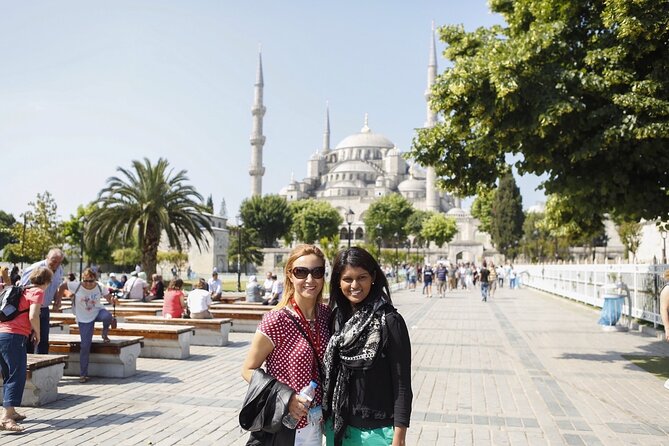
(21, 324)
(292, 359)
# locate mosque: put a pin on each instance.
(365, 166)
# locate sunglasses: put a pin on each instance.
(89, 281)
(300, 272)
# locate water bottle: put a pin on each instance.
(309, 392)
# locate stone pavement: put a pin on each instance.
(524, 369)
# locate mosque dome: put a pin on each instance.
(355, 166)
(365, 138)
(457, 213)
(411, 185)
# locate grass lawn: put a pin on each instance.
(657, 365)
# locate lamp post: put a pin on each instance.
(397, 256)
(379, 228)
(663, 234)
(82, 222)
(23, 241)
(239, 253)
(349, 221)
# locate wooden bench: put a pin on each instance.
(58, 327)
(44, 372)
(116, 359)
(243, 320)
(160, 341)
(231, 298)
(123, 311)
(241, 306)
(210, 332)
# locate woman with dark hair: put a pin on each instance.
(291, 341)
(175, 300)
(368, 395)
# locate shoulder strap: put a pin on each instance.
(313, 349)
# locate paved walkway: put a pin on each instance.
(524, 369)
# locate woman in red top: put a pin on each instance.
(285, 349)
(174, 303)
(14, 336)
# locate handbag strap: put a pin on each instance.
(306, 337)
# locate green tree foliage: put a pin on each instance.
(7, 220)
(42, 231)
(149, 200)
(97, 251)
(127, 257)
(330, 247)
(313, 220)
(537, 243)
(210, 204)
(482, 207)
(630, 236)
(439, 228)
(251, 247)
(269, 215)
(506, 225)
(389, 213)
(577, 88)
(414, 225)
(178, 259)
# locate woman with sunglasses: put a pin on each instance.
(291, 341)
(87, 306)
(367, 395)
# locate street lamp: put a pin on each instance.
(82, 222)
(663, 234)
(397, 258)
(349, 221)
(379, 228)
(239, 252)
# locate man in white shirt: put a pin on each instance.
(215, 286)
(135, 287)
(198, 301)
(269, 283)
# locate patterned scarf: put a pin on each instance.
(353, 347)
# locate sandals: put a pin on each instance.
(18, 417)
(84, 379)
(106, 339)
(7, 424)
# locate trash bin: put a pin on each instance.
(614, 299)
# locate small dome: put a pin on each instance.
(411, 185)
(456, 212)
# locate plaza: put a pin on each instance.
(526, 368)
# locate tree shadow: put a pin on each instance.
(98, 420)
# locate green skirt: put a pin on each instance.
(382, 436)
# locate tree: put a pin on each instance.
(6, 222)
(330, 247)
(250, 248)
(127, 256)
(630, 236)
(574, 90)
(506, 224)
(313, 220)
(210, 204)
(482, 208)
(414, 225)
(149, 201)
(439, 228)
(99, 251)
(268, 215)
(389, 214)
(177, 259)
(41, 232)
(537, 242)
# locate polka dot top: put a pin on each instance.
(292, 359)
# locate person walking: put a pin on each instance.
(484, 277)
(664, 312)
(428, 274)
(368, 359)
(492, 280)
(14, 337)
(88, 309)
(51, 295)
(291, 341)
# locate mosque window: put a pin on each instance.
(359, 234)
(343, 234)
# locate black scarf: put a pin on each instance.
(354, 346)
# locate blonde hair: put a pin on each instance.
(666, 274)
(4, 272)
(288, 288)
(89, 274)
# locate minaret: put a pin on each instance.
(257, 170)
(326, 133)
(431, 194)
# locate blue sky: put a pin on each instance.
(88, 86)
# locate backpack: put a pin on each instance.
(9, 303)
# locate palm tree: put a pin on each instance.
(150, 200)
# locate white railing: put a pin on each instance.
(584, 283)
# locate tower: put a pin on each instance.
(431, 194)
(257, 170)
